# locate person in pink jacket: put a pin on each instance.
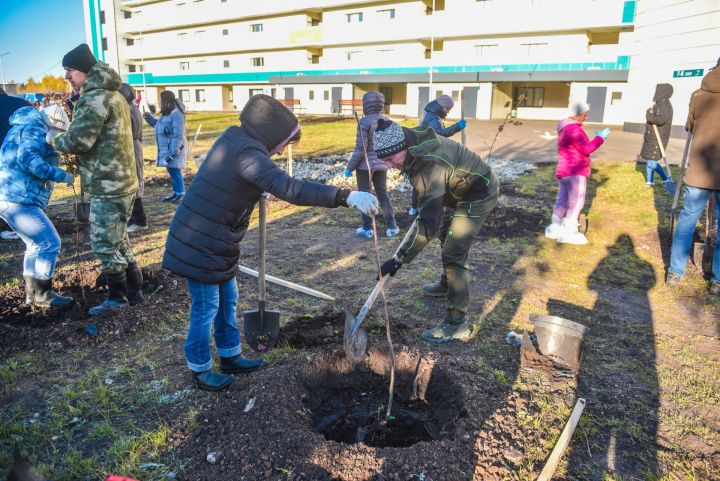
(573, 170)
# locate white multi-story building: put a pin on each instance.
(527, 57)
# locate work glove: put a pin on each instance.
(365, 202)
(462, 123)
(69, 179)
(390, 266)
(603, 133)
(348, 173)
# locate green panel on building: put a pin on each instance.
(628, 15)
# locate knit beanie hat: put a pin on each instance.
(445, 101)
(54, 116)
(388, 139)
(578, 107)
(267, 120)
(80, 58)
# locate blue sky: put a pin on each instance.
(37, 33)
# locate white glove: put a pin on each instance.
(51, 134)
(69, 179)
(365, 202)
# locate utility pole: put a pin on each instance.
(2, 73)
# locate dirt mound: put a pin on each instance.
(308, 332)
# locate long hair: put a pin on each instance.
(167, 102)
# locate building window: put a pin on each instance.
(387, 93)
(530, 96)
(326, 95)
(615, 98)
(182, 36)
(102, 17)
(226, 63)
(352, 55)
(129, 42)
(258, 61)
(226, 31)
(141, 67)
(131, 68)
(184, 65)
(388, 13)
(256, 27)
(315, 59)
(104, 43)
(311, 95)
(255, 92)
(231, 95)
(199, 34)
(200, 95)
(438, 93)
(184, 95)
(127, 14)
(485, 50)
(354, 17)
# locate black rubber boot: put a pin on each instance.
(211, 381)
(438, 289)
(29, 290)
(138, 219)
(134, 284)
(239, 365)
(117, 293)
(46, 297)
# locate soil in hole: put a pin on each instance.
(350, 407)
(308, 332)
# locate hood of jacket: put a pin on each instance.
(663, 92)
(373, 102)
(27, 116)
(711, 82)
(101, 76)
(422, 141)
(565, 122)
(435, 108)
(180, 105)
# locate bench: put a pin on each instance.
(351, 105)
(293, 105)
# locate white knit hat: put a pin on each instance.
(54, 116)
(578, 107)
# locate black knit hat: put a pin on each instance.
(267, 120)
(388, 139)
(80, 58)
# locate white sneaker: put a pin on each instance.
(648, 185)
(136, 227)
(392, 231)
(553, 230)
(362, 232)
(570, 234)
(412, 211)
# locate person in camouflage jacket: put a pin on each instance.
(457, 190)
(100, 135)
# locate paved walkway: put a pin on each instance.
(536, 141)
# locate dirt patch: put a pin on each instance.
(308, 332)
(509, 222)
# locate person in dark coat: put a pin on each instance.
(138, 219)
(373, 106)
(8, 106)
(435, 113)
(702, 178)
(203, 243)
(659, 115)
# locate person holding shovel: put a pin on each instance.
(203, 243)
(456, 192)
(138, 219)
(100, 136)
(657, 129)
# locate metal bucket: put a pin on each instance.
(556, 338)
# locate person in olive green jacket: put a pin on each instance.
(100, 136)
(456, 192)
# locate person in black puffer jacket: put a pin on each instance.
(660, 115)
(203, 243)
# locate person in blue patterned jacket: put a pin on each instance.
(28, 172)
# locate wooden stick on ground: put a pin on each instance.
(551, 465)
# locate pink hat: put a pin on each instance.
(445, 101)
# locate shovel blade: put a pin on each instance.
(354, 344)
(262, 329)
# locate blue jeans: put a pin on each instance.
(212, 304)
(651, 167)
(42, 242)
(693, 205)
(176, 179)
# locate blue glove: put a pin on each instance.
(348, 173)
(603, 133)
(462, 124)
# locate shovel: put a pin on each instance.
(670, 186)
(82, 208)
(355, 339)
(262, 328)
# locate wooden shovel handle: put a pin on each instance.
(261, 255)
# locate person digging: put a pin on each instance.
(456, 192)
(203, 243)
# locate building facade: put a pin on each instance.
(522, 58)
